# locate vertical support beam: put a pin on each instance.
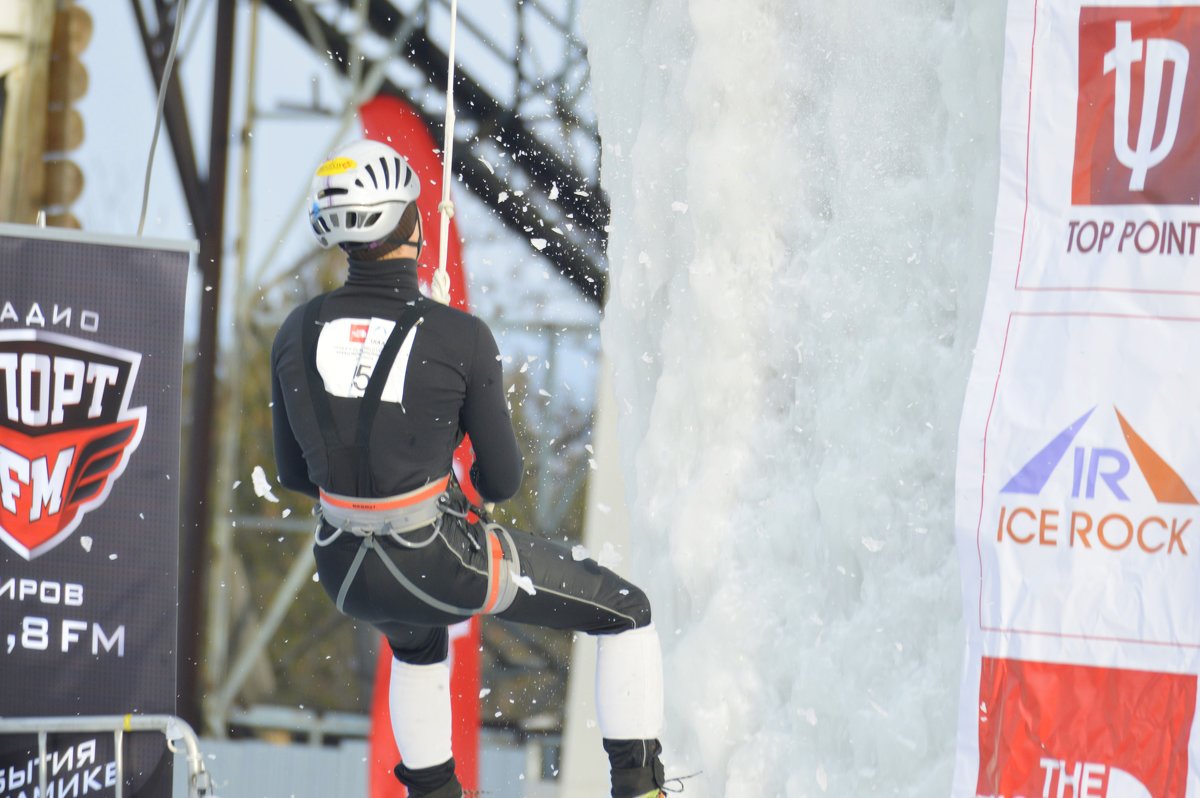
(196, 509)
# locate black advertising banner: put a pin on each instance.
(91, 341)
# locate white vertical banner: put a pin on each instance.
(1077, 522)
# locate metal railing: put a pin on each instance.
(173, 728)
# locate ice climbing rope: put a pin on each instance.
(439, 289)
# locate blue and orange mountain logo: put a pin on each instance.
(1100, 464)
(1103, 469)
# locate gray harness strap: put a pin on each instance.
(353, 572)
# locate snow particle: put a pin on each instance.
(609, 557)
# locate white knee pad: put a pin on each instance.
(419, 701)
(629, 685)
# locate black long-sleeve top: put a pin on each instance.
(453, 384)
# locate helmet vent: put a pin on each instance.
(335, 220)
(372, 219)
(386, 179)
(358, 183)
(331, 192)
(324, 223)
(351, 220)
(371, 174)
(408, 175)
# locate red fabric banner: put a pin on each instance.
(394, 122)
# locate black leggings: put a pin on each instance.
(578, 595)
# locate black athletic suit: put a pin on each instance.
(454, 385)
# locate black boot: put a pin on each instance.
(438, 781)
(636, 769)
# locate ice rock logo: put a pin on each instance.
(1137, 138)
(1099, 476)
(66, 433)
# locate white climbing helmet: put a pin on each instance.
(359, 194)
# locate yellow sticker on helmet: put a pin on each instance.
(335, 166)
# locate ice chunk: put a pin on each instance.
(609, 557)
(262, 488)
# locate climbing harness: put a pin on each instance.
(438, 505)
(377, 520)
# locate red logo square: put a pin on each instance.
(1137, 132)
(358, 333)
(1083, 732)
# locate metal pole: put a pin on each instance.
(42, 762)
(196, 509)
(299, 573)
(221, 581)
(118, 754)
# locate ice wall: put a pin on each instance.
(802, 201)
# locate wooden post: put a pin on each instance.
(22, 132)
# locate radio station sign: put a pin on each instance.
(91, 344)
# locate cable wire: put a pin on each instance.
(158, 114)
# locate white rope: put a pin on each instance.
(158, 114)
(440, 289)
